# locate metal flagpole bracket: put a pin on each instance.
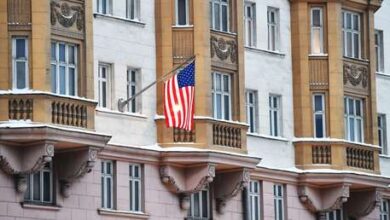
(121, 104)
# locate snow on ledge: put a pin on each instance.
(310, 139)
(38, 92)
(199, 117)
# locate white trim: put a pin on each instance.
(107, 176)
(254, 107)
(279, 189)
(278, 110)
(250, 24)
(319, 28)
(254, 195)
(322, 113)
(222, 94)
(15, 60)
(107, 80)
(99, 8)
(133, 180)
(352, 32)
(276, 26)
(220, 4)
(355, 118)
(137, 10)
(177, 14)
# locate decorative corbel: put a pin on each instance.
(228, 185)
(305, 199)
(363, 202)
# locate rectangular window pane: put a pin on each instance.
(37, 186)
(316, 15)
(182, 12)
(20, 48)
(72, 80)
(319, 126)
(62, 52)
(217, 20)
(136, 196)
(204, 204)
(21, 75)
(53, 71)
(224, 18)
(62, 80)
(46, 187)
(196, 207)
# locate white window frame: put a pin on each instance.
(254, 196)
(133, 81)
(273, 44)
(107, 81)
(319, 113)
(137, 10)
(355, 118)
(58, 64)
(191, 214)
(252, 106)
(16, 60)
(379, 51)
(29, 195)
(133, 180)
(250, 24)
(382, 133)
(384, 209)
(187, 23)
(105, 175)
(335, 215)
(220, 4)
(99, 7)
(223, 94)
(317, 28)
(279, 196)
(278, 131)
(353, 32)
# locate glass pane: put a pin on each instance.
(53, 79)
(104, 8)
(316, 18)
(72, 81)
(62, 52)
(251, 121)
(219, 106)
(131, 195)
(318, 103)
(62, 80)
(20, 48)
(46, 187)
(356, 22)
(226, 107)
(132, 9)
(37, 186)
(275, 102)
(351, 129)
(225, 83)
(218, 82)
(196, 205)
(351, 107)
(21, 75)
(356, 45)
(217, 19)
(319, 126)
(27, 193)
(316, 41)
(53, 51)
(136, 196)
(136, 171)
(276, 133)
(71, 54)
(108, 169)
(224, 18)
(349, 21)
(280, 209)
(108, 183)
(182, 12)
(256, 208)
(102, 191)
(104, 94)
(204, 204)
(280, 193)
(359, 130)
(358, 108)
(349, 44)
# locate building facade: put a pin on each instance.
(290, 122)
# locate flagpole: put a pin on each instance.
(122, 102)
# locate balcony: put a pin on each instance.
(48, 108)
(207, 134)
(336, 154)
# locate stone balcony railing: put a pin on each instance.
(336, 154)
(48, 108)
(208, 133)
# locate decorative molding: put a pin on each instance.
(305, 199)
(363, 202)
(223, 48)
(355, 75)
(67, 15)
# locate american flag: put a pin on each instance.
(179, 93)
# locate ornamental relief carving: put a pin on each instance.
(67, 15)
(355, 75)
(223, 49)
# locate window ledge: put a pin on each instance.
(270, 52)
(384, 156)
(356, 59)
(183, 26)
(108, 16)
(383, 74)
(126, 114)
(126, 214)
(267, 137)
(319, 55)
(40, 206)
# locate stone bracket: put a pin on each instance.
(73, 165)
(228, 185)
(323, 199)
(362, 203)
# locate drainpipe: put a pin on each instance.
(245, 203)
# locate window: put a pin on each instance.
(182, 12)
(64, 68)
(40, 186)
(279, 202)
(317, 32)
(132, 88)
(353, 119)
(199, 206)
(274, 115)
(104, 6)
(251, 110)
(221, 93)
(351, 34)
(384, 210)
(219, 15)
(104, 85)
(382, 133)
(133, 9)
(254, 200)
(273, 29)
(135, 187)
(334, 215)
(319, 115)
(107, 184)
(20, 63)
(250, 24)
(379, 50)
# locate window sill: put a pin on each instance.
(356, 59)
(319, 55)
(224, 32)
(126, 214)
(126, 114)
(40, 206)
(383, 74)
(183, 26)
(384, 156)
(269, 52)
(108, 16)
(267, 137)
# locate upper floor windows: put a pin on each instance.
(64, 68)
(221, 96)
(107, 184)
(104, 87)
(104, 6)
(182, 12)
(384, 210)
(273, 28)
(319, 115)
(334, 215)
(275, 115)
(254, 200)
(382, 133)
(251, 110)
(279, 203)
(20, 78)
(219, 15)
(133, 10)
(135, 180)
(351, 24)
(133, 86)
(353, 119)
(40, 186)
(199, 206)
(379, 51)
(317, 30)
(250, 24)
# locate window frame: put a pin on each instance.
(320, 28)
(137, 10)
(275, 46)
(254, 106)
(104, 176)
(187, 18)
(220, 4)
(379, 51)
(382, 128)
(382, 212)
(16, 60)
(48, 168)
(355, 119)
(108, 4)
(222, 93)
(133, 179)
(353, 32)
(321, 113)
(136, 83)
(250, 23)
(335, 215)
(190, 213)
(253, 196)
(278, 110)
(107, 80)
(278, 198)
